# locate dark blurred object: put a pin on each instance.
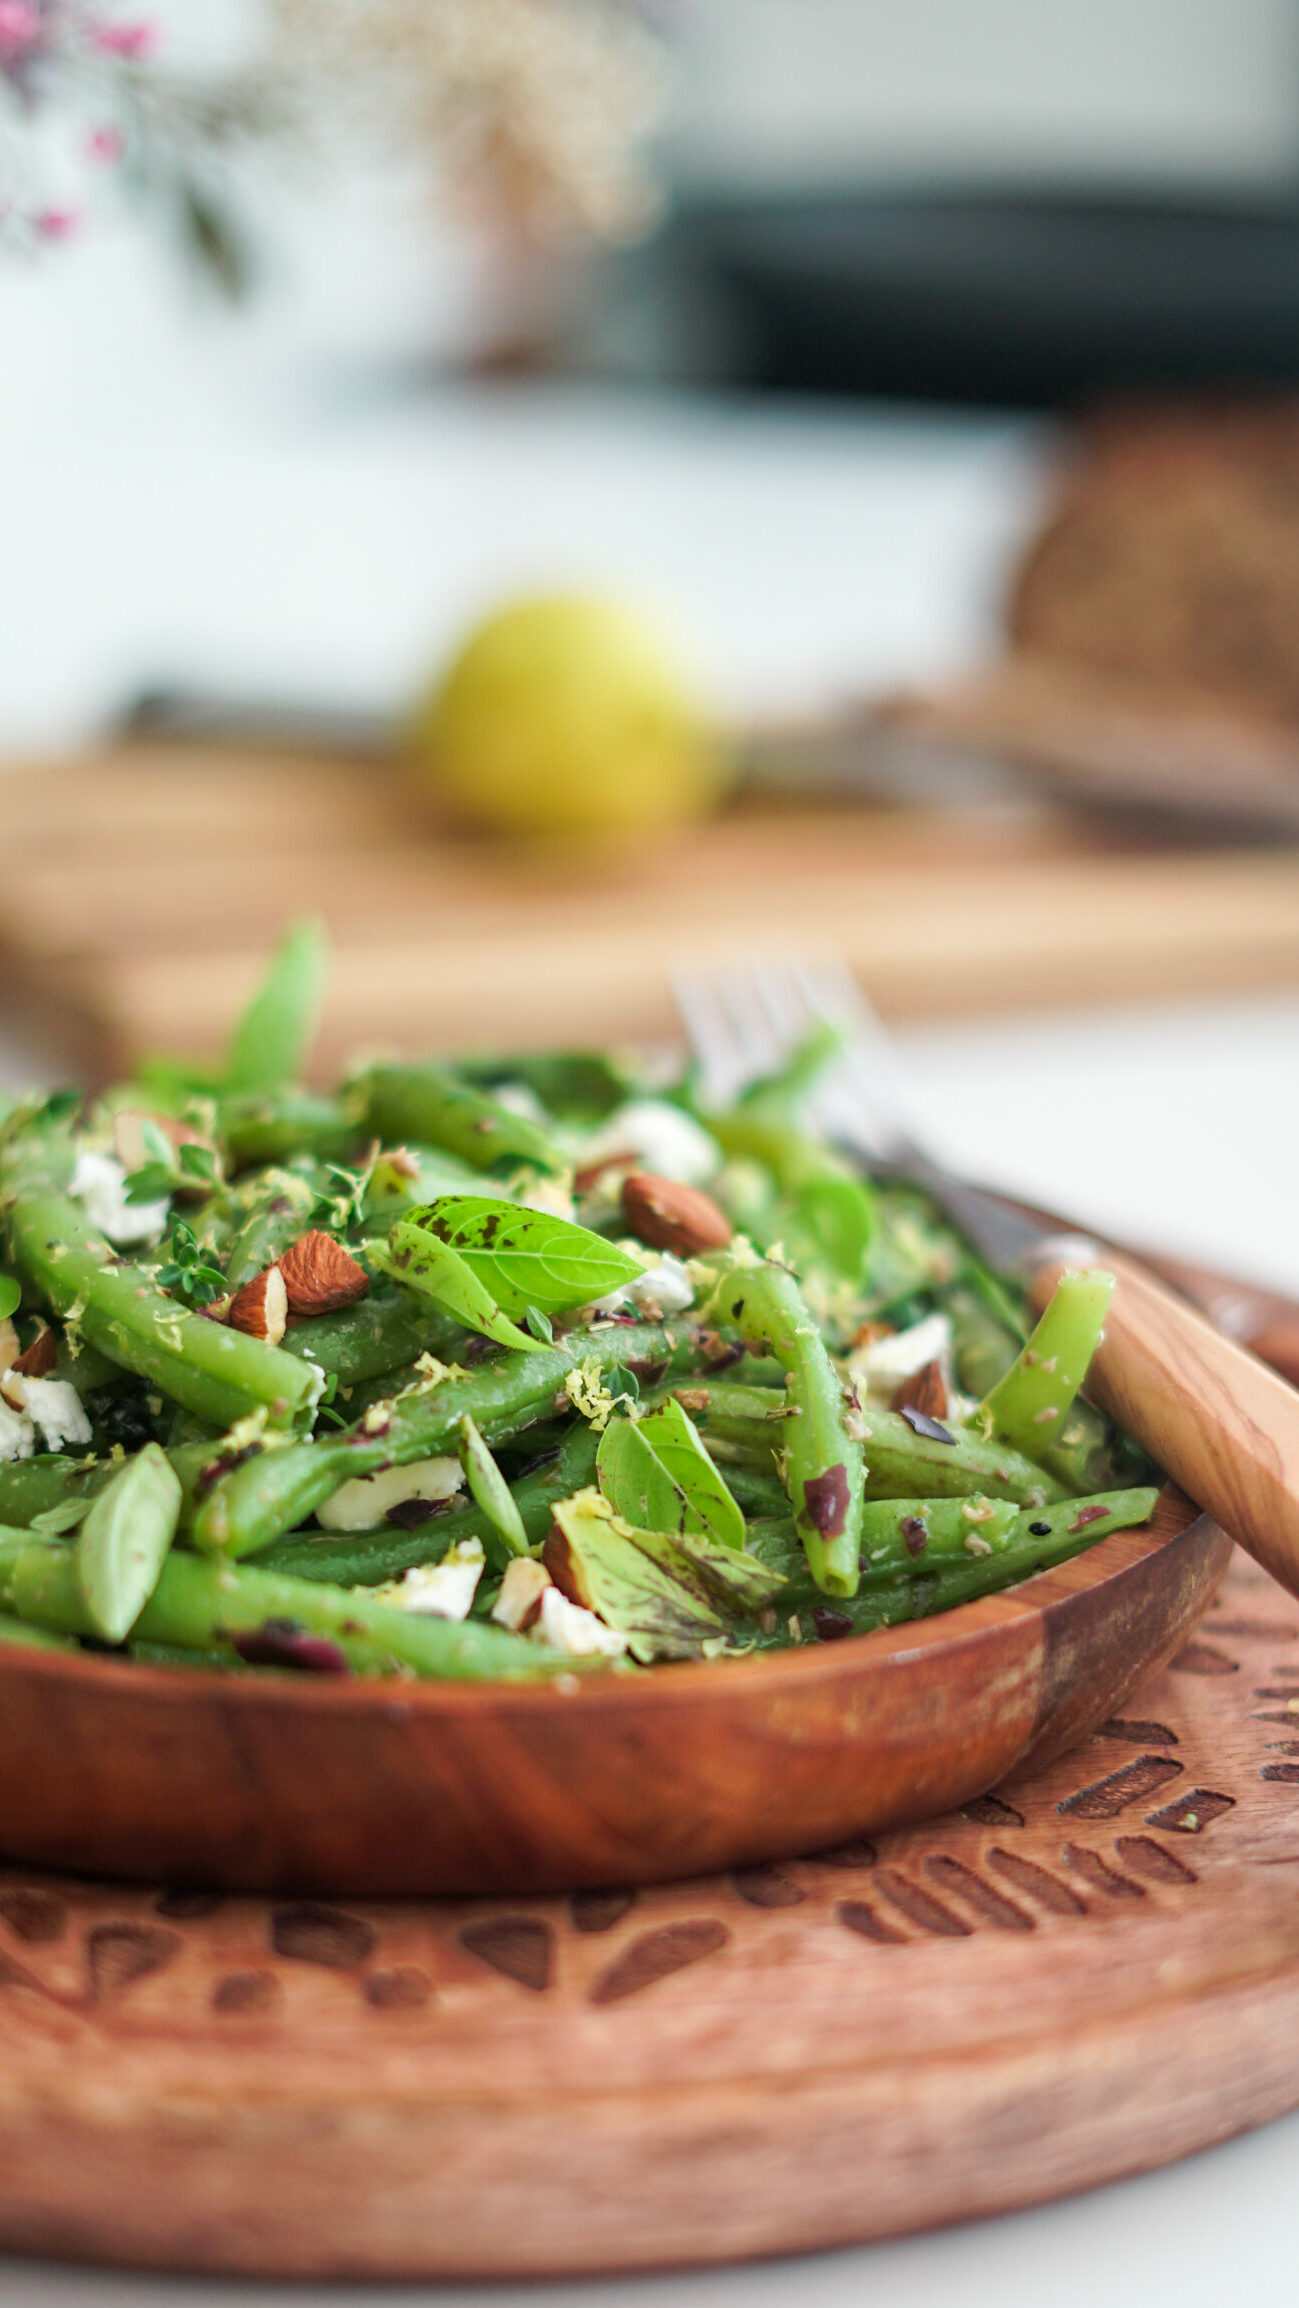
(1040, 299)
(1153, 627)
(1173, 561)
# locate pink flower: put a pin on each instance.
(106, 145)
(132, 41)
(20, 30)
(56, 223)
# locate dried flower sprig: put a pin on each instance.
(533, 114)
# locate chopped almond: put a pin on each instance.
(669, 1216)
(518, 1604)
(926, 1392)
(261, 1308)
(41, 1357)
(320, 1277)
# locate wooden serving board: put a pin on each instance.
(141, 891)
(1087, 1974)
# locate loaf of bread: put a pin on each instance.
(1172, 563)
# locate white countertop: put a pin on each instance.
(184, 503)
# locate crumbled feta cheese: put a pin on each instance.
(665, 1287)
(565, 1626)
(362, 1504)
(524, 1584)
(885, 1362)
(53, 1406)
(666, 1141)
(99, 1185)
(443, 1590)
(17, 1434)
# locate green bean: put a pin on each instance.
(1026, 1408)
(821, 1467)
(124, 1540)
(900, 1463)
(270, 1223)
(199, 1604)
(221, 1374)
(914, 1535)
(375, 1337)
(33, 1638)
(258, 1127)
(1040, 1539)
(430, 1104)
(278, 1487)
(35, 1486)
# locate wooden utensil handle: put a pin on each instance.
(1224, 1426)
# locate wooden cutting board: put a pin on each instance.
(1085, 1975)
(141, 889)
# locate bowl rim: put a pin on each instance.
(675, 1683)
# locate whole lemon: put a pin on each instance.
(563, 716)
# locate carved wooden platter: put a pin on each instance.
(1092, 1971)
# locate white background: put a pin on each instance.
(238, 505)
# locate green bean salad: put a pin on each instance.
(508, 1368)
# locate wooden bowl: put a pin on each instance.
(379, 1789)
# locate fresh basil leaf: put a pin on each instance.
(490, 1488)
(526, 1257)
(424, 1263)
(540, 1325)
(11, 1295)
(669, 1594)
(656, 1473)
(270, 1043)
(622, 1383)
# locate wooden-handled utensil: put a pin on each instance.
(1224, 1426)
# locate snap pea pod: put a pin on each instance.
(1027, 1407)
(278, 1488)
(198, 1605)
(430, 1104)
(820, 1465)
(378, 1335)
(256, 1127)
(368, 1558)
(220, 1374)
(123, 1542)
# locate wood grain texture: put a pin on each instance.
(1089, 1972)
(297, 1783)
(1224, 1425)
(142, 889)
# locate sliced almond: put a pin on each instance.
(9, 1356)
(926, 1392)
(669, 1216)
(320, 1276)
(40, 1358)
(518, 1604)
(261, 1308)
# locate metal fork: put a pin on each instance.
(1223, 1425)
